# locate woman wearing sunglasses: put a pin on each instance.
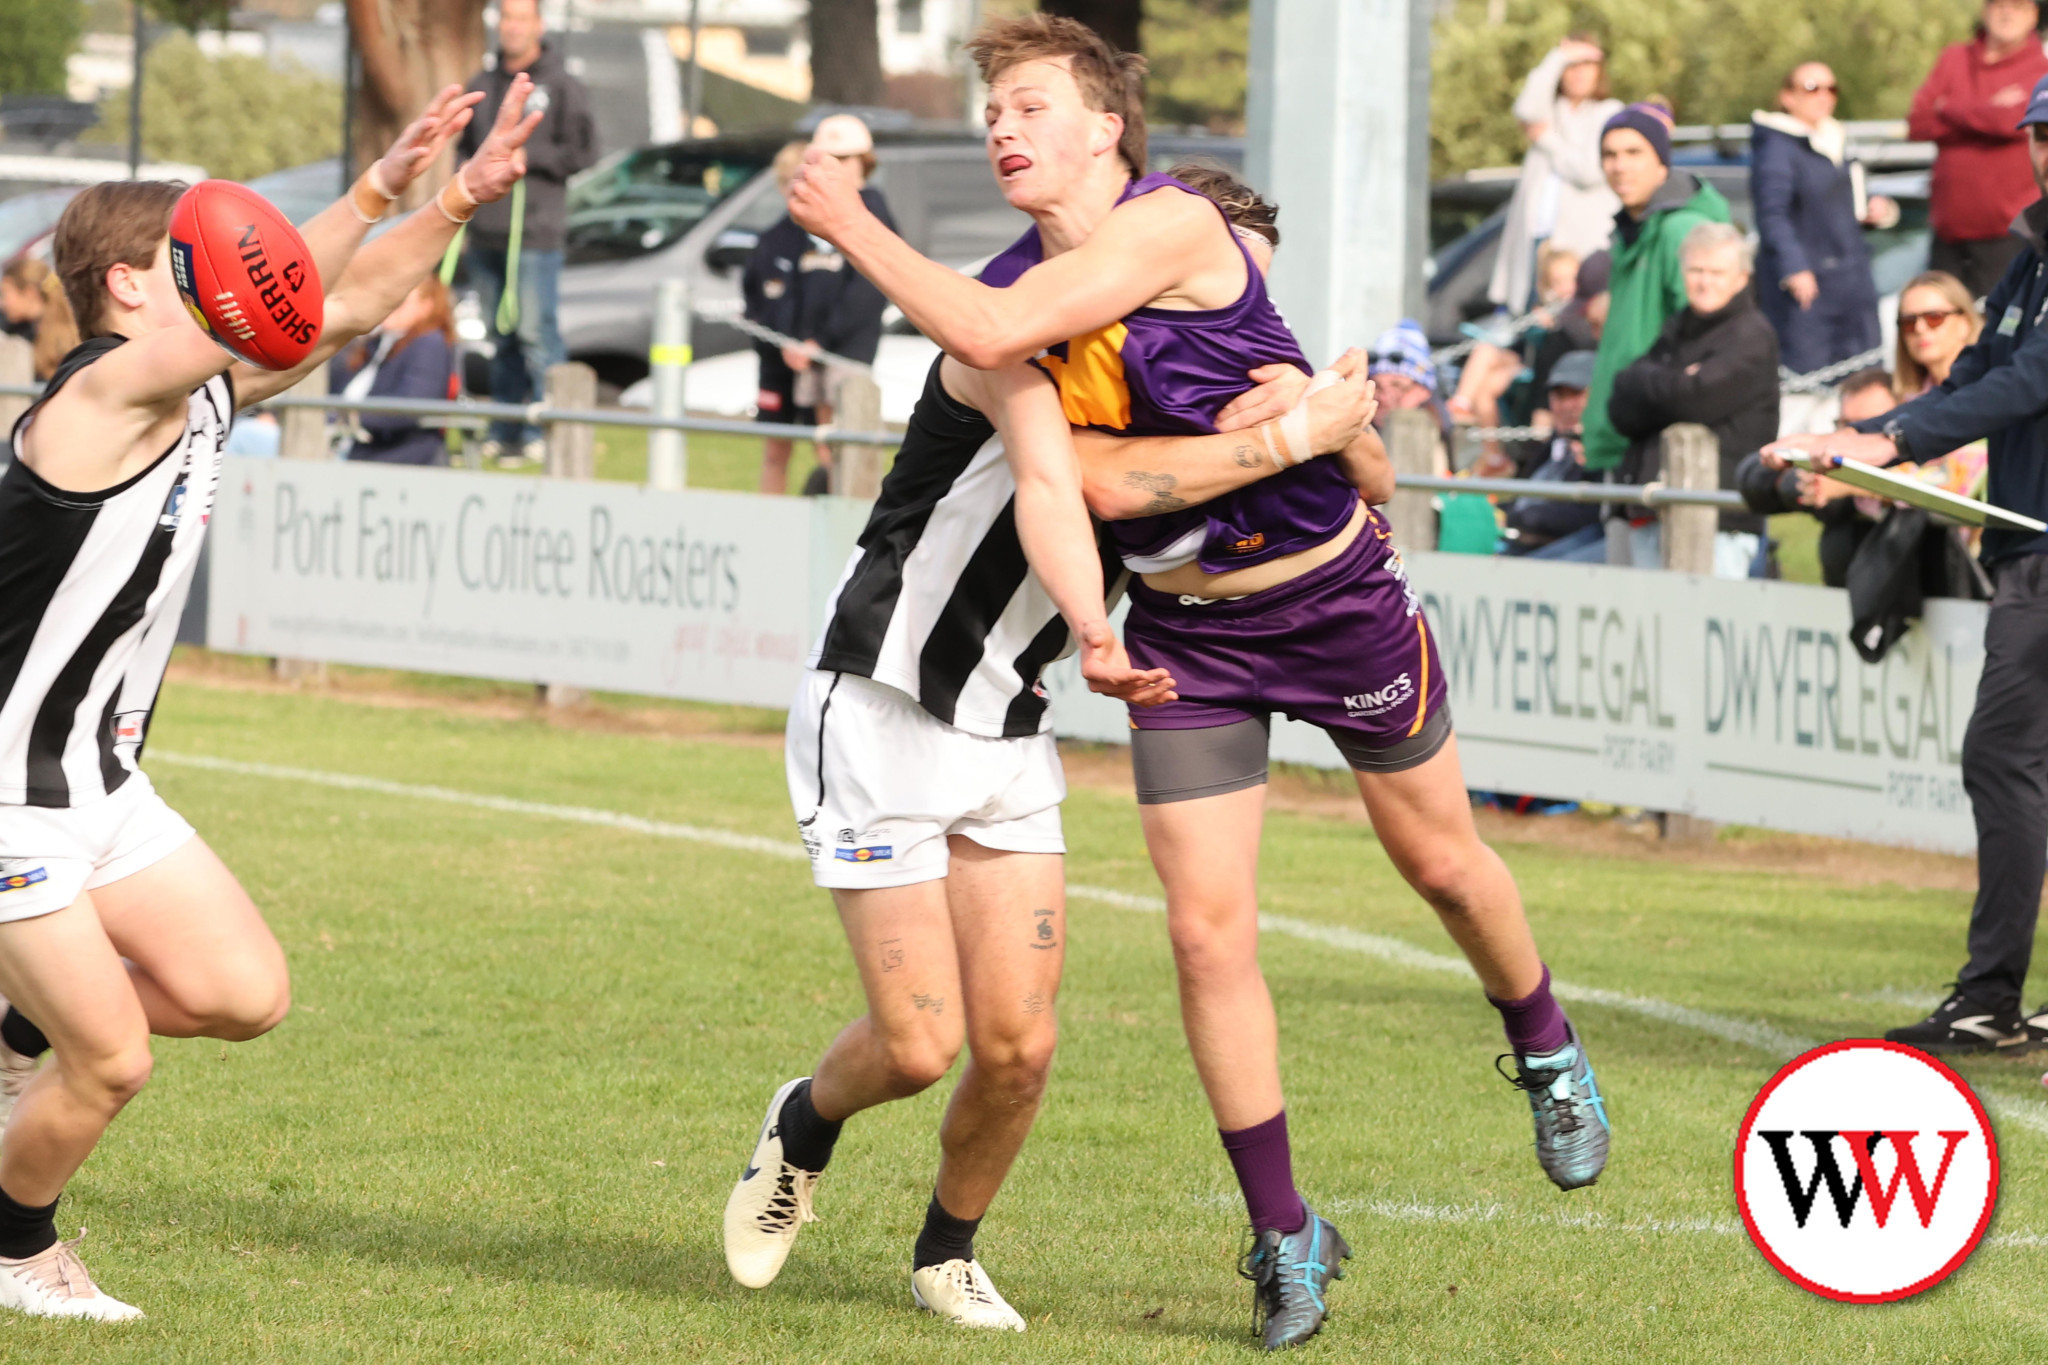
(1937, 319)
(1813, 269)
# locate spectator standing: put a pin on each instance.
(1810, 212)
(1646, 285)
(1548, 528)
(411, 355)
(768, 287)
(1715, 363)
(1997, 389)
(1562, 197)
(1967, 108)
(525, 330)
(838, 312)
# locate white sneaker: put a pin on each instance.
(960, 1292)
(769, 1206)
(53, 1284)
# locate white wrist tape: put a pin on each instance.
(1294, 426)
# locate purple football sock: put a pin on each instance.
(1535, 1024)
(1265, 1169)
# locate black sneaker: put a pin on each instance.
(1960, 1024)
(2037, 1028)
(1290, 1273)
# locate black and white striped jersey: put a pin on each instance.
(938, 601)
(91, 588)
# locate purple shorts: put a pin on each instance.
(1344, 647)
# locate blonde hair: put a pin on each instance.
(1909, 375)
(786, 161)
(1111, 82)
(57, 331)
(1549, 255)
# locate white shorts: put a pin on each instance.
(878, 783)
(47, 856)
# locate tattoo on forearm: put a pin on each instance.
(935, 1003)
(1160, 486)
(1042, 935)
(1034, 1003)
(1246, 457)
(892, 954)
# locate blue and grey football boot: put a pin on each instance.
(1290, 1274)
(1571, 1115)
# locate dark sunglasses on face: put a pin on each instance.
(1931, 319)
(1816, 87)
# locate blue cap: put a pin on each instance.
(2037, 105)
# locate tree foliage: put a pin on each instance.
(237, 116)
(39, 36)
(1198, 50)
(1715, 60)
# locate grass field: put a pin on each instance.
(528, 1053)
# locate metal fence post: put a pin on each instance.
(1411, 439)
(17, 366)
(1692, 459)
(572, 454)
(857, 469)
(572, 446)
(668, 453)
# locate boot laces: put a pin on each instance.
(59, 1271)
(789, 1208)
(1550, 1086)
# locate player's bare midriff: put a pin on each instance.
(1191, 580)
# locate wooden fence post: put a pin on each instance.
(1692, 459)
(857, 469)
(1412, 439)
(572, 454)
(17, 366)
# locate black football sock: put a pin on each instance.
(807, 1138)
(18, 1033)
(944, 1237)
(24, 1231)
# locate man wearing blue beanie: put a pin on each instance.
(1659, 206)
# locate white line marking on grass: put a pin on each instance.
(1398, 952)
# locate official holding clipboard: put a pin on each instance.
(1998, 389)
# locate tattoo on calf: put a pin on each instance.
(935, 1003)
(1034, 1003)
(892, 954)
(1042, 935)
(1161, 487)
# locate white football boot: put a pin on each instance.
(769, 1206)
(961, 1292)
(54, 1284)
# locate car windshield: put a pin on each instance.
(644, 200)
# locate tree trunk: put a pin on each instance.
(409, 49)
(846, 52)
(1115, 20)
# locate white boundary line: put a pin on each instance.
(1397, 952)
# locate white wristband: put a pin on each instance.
(1294, 426)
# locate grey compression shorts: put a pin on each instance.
(1186, 765)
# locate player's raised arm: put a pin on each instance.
(1143, 476)
(385, 271)
(333, 234)
(1141, 252)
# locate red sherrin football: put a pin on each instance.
(245, 273)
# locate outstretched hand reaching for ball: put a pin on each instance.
(417, 148)
(501, 161)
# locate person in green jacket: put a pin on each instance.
(1658, 207)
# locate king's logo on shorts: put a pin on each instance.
(1866, 1171)
(1373, 703)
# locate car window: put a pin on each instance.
(645, 200)
(951, 209)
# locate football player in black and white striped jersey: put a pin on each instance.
(116, 920)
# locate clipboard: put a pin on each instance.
(1899, 488)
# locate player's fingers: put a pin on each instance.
(509, 108)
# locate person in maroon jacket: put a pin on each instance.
(1968, 108)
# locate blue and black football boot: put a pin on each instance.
(1290, 1274)
(1571, 1115)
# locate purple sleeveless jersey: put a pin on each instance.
(1168, 372)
